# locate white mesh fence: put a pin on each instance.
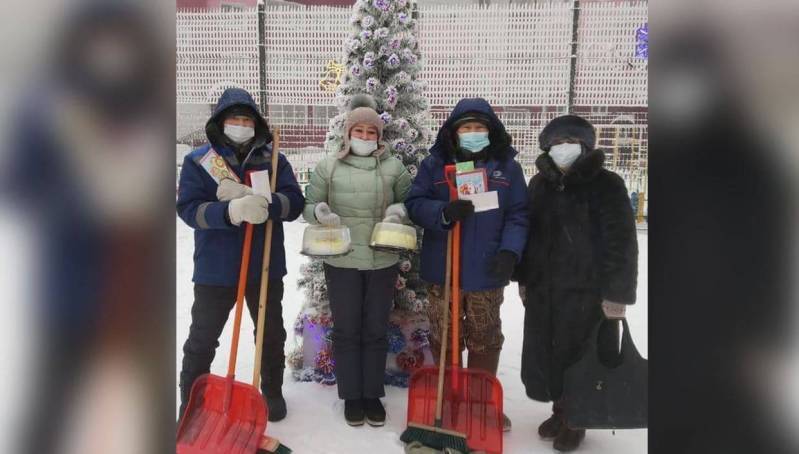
(608, 72)
(517, 56)
(215, 50)
(511, 55)
(304, 52)
(514, 56)
(623, 134)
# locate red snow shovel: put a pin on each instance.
(225, 416)
(472, 398)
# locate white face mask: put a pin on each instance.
(362, 147)
(239, 134)
(565, 154)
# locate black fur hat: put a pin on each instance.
(571, 126)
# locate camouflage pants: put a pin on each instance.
(480, 325)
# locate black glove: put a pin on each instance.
(501, 265)
(458, 210)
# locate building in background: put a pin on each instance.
(225, 5)
(234, 5)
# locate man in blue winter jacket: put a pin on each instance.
(492, 241)
(216, 207)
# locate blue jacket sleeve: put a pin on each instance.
(517, 221)
(424, 208)
(287, 201)
(197, 205)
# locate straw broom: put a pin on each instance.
(435, 436)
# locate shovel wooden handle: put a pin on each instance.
(267, 258)
(443, 353)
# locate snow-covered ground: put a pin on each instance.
(315, 422)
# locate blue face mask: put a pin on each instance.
(473, 141)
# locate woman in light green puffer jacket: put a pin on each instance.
(359, 187)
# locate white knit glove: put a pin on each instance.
(250, 208)
(229, 190)
(613, 311)
(325, 216)
(396, 213)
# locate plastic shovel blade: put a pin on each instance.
(208, 427)
(472, 407)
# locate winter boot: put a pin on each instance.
(375, 413)
(277, 408)
(550, 428)
(272, 390)
(489, 362)
(354, 412)
(506, 424)
(567, 439)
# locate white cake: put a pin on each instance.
(324, 241)
(327, 246)
(394, 236)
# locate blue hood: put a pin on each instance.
(230, 98)
(500, 148)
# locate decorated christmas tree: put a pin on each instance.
(382, 60)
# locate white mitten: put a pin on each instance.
(325, 216)
(613, 311)
(229, 190)
(250, 208)
(396, 213)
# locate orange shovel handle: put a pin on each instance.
(456, 296)
(449, 174)
(245, 265)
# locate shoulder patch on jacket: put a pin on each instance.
(216, 166)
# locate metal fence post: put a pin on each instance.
(262, 58)
(573, 57)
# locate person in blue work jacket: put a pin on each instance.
(216, 211)
(492, 241)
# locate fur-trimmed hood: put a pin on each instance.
(500, 147)
(232, 97)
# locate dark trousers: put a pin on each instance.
(360, 302)
(61, 361)
(209, 313)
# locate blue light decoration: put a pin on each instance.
(325, 362)
(421, 337)
(399, 380)
(327, 335)
(642, 42)
(396, 340)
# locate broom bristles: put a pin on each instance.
(435, 437)
(282, 449)
(279, 449)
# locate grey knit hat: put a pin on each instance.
(363, 112)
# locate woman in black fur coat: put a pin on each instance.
(580, 263)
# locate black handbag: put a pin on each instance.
(598, 396)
